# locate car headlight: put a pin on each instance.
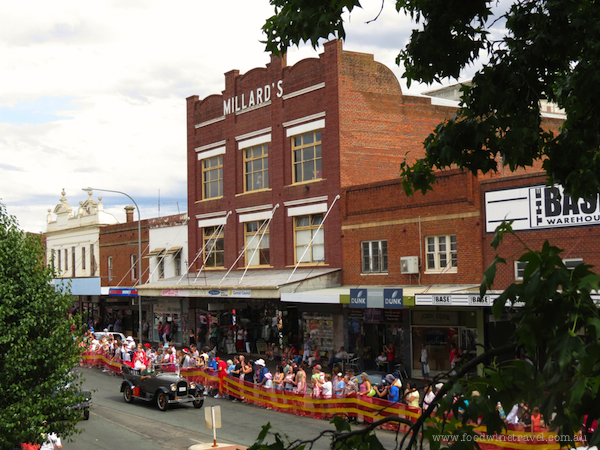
(192, 385)
(173, 387)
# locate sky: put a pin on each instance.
(93, 93)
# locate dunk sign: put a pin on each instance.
(539, 207)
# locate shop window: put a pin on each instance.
(374, 257)
(306, 228)
(212, 177)
(110, 268)
(441, 253)
(306, 151)
(256, 238)
(256, 168)
(214, 247)
(133, 259)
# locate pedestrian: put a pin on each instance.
(51, 441)
(339, 385)
(424, 363)
(278, 378)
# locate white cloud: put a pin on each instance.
(125, 69)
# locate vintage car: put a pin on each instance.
(161, 386)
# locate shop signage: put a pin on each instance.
(454, 299)
(537, 207)
(435, 318)
(175, 293)
(123, 292)
(256, 97)
(393, 299)
(358, 298)
(376, 298)
(238, 293)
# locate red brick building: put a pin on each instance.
(267, 160)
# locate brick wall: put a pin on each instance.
(381, 211)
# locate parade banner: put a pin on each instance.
(367, 409)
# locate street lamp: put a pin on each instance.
(139, 261)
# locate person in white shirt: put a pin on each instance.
(327, 387)
(339, 357)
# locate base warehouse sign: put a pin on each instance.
(537, 207)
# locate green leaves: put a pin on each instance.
(38, 347)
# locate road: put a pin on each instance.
(116, 425)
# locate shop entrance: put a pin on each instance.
(438, 342)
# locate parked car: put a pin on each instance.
(115, 335)
(164, 388)
(86, 403)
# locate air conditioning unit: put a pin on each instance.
(409, 265)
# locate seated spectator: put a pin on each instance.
(338, 357)
(381, 361)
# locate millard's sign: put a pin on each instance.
(254, 98)
(536, 207)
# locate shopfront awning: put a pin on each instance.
(342, 294)
(155, 252)
(259, 283)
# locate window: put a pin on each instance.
(256, 238)
(92, 260)
(59, 261)
(306, 150)
(82, 258)
(214, 247)
(305, 229)
(441, 253)
(73, 259)
(161, 267)
(66, 259)
(53, 257)
(256, 167)
(133, 266)
(520, 270)
(212, 177)
(177, 264)
(110, 268)
(374, 257)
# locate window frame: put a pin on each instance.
(177, 264)
(317, 161)
(249, 251)
(383, 257)
(206, 170)
(451, 255)
(299, 248)
(264, 172)
(161, 267)
(206, 246)
(82, 258)
(520, 270)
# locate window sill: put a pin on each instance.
(208, 199)
(253, 192)
(367, 274)
(440, 271)
(301, 183)
(309, 265)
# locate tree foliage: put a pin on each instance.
(37, 345)
(549, 52)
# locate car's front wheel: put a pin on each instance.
(86, 414)
(198, 402)
(162, 401)
(128, 394)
